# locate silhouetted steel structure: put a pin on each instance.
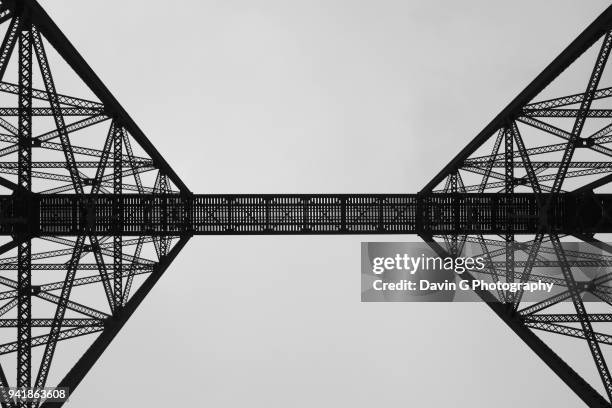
(92, 222)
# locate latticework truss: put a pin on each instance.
(552, 140)
(92, 215)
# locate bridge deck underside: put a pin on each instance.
(175, 214)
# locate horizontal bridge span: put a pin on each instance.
(174, 214)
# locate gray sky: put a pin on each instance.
(312, 96)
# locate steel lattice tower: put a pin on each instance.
(92, 215)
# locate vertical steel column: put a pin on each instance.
(508, 203)
(454, 188)
(24, 306)
(118, 215)
(164, 188)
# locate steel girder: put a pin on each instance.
(111, 204)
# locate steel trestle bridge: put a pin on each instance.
(91, 215)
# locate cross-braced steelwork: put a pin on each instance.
(549, 144)
(60, 287)
(92, 215)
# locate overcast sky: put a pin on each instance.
(312, 97)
